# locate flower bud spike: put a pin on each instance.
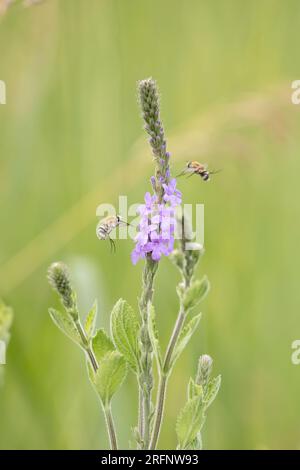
(59, 279)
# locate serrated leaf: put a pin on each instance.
(90, 322)
(189, 422)
(102, 344)
(194, 390)
(125, 332)
(137, 436)
(153, 333)
(197, 443)
(212, 390)
(110, 376)
(64, 321)
(184, 338)
(195, 293)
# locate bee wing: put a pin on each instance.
(123, 222)
(183, 172)
(191, 174)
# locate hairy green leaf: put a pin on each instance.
(102, 344)
(64, 321)
(125, 332)
(195, 293)
(196, 444)
(110, 376)
(184, 338)
(212, 390)
(194, 390)
(189, 422)
(153, 332)
(90, 322)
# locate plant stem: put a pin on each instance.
(146, 412)
(107, 409)
(162, 387)
(87, 346)
(141, 415)
(146, 375)
(173, 339)
(111, 428)
(166, 371)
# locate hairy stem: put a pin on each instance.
(162, 387)
(141, 415)
(146, 374)
(166, 370)
(173, 340)
(107, 410)
(110, 428)
(87, 346)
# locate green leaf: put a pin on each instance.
(194, 390)
(125, 332)
(90, 322)
(110, 376)
(102, 344)
(189, 422)
(197, 443)
(64, 321)
(195, 293)
(153, 333)
(184, 338)
(212, 390)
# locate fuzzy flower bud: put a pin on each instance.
(204, 369)
(177, 258)
(149, 101)
(191, 251)
(59, 279)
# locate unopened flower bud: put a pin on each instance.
(204, 369)
(59, 279)
(149, 102)
(177, 258)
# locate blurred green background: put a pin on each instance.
(71, 138)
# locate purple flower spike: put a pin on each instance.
(157, 224)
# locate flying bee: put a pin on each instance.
(106, 226)
(196, 168)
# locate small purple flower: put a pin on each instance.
(137, 254)
(153, 183)
(171, 194)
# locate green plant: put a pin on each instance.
(133, 342)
